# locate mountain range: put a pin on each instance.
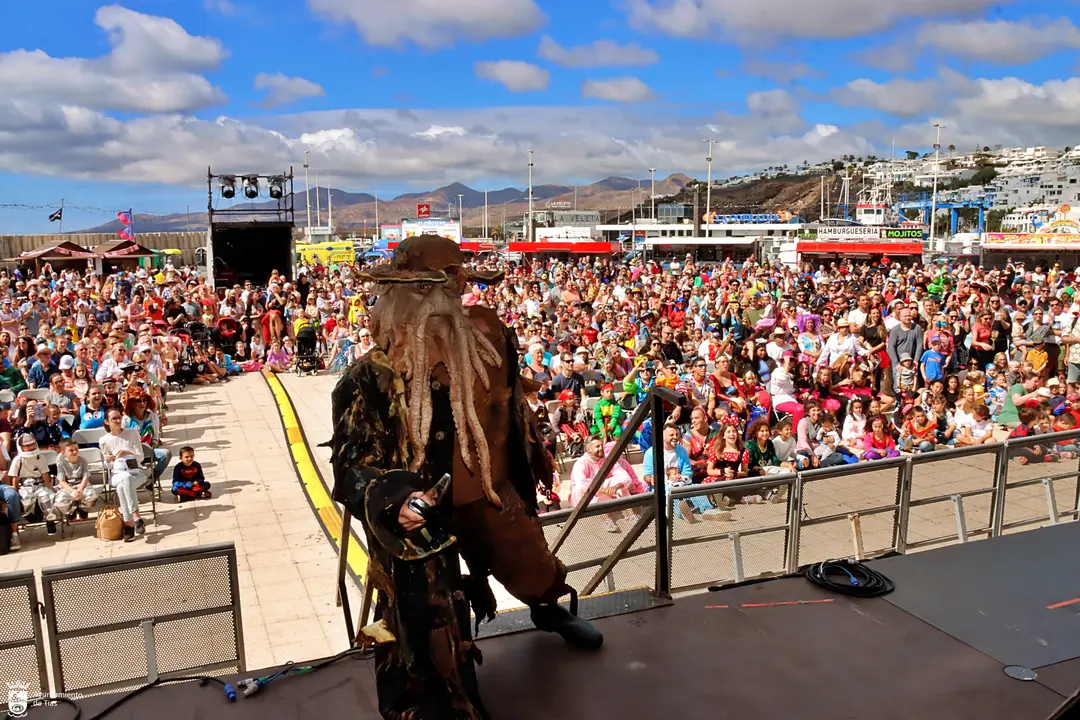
(357, 210)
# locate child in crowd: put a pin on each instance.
(1066, 449)
(1032, 453)
(76, 496)
(607, 415)
(29, 474)
(784, 443)
(932, 362)
(879, 442)
(854, 425)
(918, 432)
(996, 395)
(570, 419)
(979, 431)
(188, 479)
(946, 422)
(829, 440)
(907, 375)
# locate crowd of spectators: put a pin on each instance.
(778, 368)
(87, 362)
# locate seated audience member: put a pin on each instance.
(30, 474)
(75, 497)
(122, 451)
(188, 479)
(620, 482)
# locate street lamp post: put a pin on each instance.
(378, 230)
(933, 197)
(652, 172)
(708, 191)
(485, 214)
(307, 193)
(460, 215)
(529, 231)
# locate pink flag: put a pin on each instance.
(124, 217)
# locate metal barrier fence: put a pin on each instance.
(115, 624)
(860, 511)
(22, 652)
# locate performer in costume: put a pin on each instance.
(440, 394)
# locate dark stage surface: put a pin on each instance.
(778, 649)
(1008, 597)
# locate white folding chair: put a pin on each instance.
(34, 394)
(7, 396)
(88, 438)
(96, 465)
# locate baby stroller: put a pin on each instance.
(226, 332)
(198, 332)
(307, 351)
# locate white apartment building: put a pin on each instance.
(1054, 185)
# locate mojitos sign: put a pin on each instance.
(860, 233)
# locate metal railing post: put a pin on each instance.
(795, 497)
(736, 556)
(1051, 501)
(903, 507)
(662, 509)
(1001, 479)
(961, 521)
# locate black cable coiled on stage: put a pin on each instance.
(849, 578)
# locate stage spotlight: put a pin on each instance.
(251, 186)
(228, 186)
(277, 187)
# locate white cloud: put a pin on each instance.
(145, 43)
(152, 67)
(599, 53)
(899, 96)
(999, 42)
(514, 75)
(743, 22)
(283, 90)
(621, 89)
(772, 102)
(221, 7)
(432, 23)
(778, 71)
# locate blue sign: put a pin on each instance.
(749, 218)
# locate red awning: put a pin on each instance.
(861, 248)
(570, 246)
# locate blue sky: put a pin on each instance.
(112, 106)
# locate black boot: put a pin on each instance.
(553, 617)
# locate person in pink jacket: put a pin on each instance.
(878, 443)
(620, 482)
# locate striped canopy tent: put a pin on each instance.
(117, 249)
(55, 251)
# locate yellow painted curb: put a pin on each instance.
(318, 495)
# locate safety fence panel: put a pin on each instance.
(114, 624)
(1031, 480)
(952, 496)
(718, 537)
(22, 652)
(620, 530)
(848, 511)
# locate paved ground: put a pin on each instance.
(287, 565)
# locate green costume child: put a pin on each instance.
(607, 415)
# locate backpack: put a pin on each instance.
(110, 524)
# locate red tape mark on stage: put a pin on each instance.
(788, 602)
(1055, 606)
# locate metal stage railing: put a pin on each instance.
(859, 511)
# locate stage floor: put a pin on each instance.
(777, 649)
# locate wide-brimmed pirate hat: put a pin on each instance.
(427, 259)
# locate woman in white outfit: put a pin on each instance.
(117, 448)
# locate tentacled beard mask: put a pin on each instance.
(423, 324)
